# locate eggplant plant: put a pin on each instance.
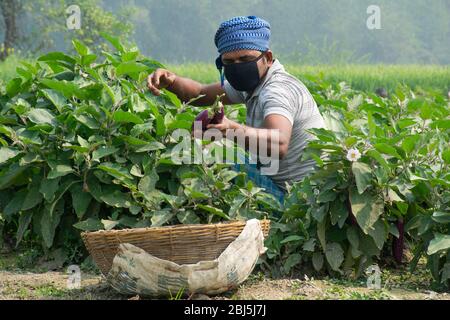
(85, 147)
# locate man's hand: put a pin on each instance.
(160, 79)
(225, 125)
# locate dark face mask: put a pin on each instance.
(243, 76)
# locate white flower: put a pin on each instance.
(316, 192)
(353, 155)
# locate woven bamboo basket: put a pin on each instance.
(182, 244)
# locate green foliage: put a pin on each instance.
(342, 216)
(86, 147)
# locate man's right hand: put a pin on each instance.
(160, 79)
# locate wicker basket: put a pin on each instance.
(182, 244)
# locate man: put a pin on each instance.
(279, 107)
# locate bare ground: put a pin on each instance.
(17, 284)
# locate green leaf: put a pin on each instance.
(379, 233)
(441, 216)
(363, 175)
(127, 117)
(188, 217)
(321, 230)
(80, 200)
(50, 220)
(334, 255)
(66, 88)
(109, 224)
(317, 261)
(80, 47)
(103, 151)
(387, 149)
(309, 245)
(90, 224)
(292, 238)
(338, 213)
(130, 67)
(24, 222)
(366, 207)
(33, 198)
(13, 87)
(409, 143)
(59, 170)
(439, 243)
(292, 261)
(58, 100)
(326, 196)
(115, 170)
(237, 203)
(8, 176)
(161, 217)
(114, 41)
(214, 210)
(117, 199)
(88, 121)
(48, 188)
(148, 182)
(40, 116)
(7, 153)
(15, 205)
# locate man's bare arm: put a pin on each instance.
(277, 131)
(185, 89)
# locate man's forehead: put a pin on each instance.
(240, 53)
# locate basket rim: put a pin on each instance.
(162, 228)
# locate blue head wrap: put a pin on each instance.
(241, 33)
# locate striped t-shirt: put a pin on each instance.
(283, 94)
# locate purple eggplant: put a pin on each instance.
(398, 244)
(204, 118)
(214, 115)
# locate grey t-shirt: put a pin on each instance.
(283, 94)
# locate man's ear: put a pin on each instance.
(269, 57)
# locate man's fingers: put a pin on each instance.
(151, 86)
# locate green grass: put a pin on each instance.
(361, 77)
(8, 68)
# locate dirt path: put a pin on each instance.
(53, 285)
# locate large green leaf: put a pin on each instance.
(214, 210)
(90, 224)
(103, 151)
(387, 149)
(50, 220)
(160, 217)
(7, 153)
(127, 117)
(439, 243)
(24, 223)
(334, 255)
(48, 188)
(15, 205)
(117, 199)
(363, 175)
(59, 170)
(80, 200)
(366, 208)
(441, 216)
(33, 198)
(130, 67)
(379, 233)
